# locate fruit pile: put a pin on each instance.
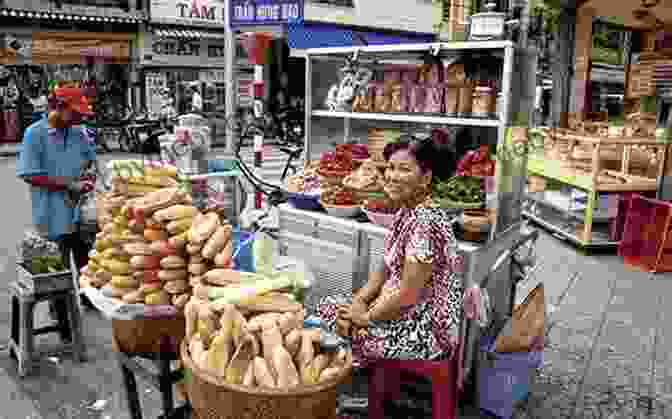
(259, 342)
(336, 164)
(476, 163)
(338, 196)
(356, 151)
(334, 167)
(382, 206)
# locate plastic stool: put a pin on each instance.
(385, 379)
(22, 339)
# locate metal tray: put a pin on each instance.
(44, 283)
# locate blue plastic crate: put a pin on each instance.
(504, 378)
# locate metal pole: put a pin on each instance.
(259, 137)
(308, 105)
(229, 75)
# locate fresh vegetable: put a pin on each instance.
(46, 264)
(466, 190)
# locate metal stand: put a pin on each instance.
(163, 381)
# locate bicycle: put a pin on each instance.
(246, 126)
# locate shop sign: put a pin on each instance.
(177, 47)
(155, 83)
(266, 12)
(188, 11)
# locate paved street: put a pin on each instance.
(609, 354)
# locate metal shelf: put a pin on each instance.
(561, 202)
(411, 118)
(413, 48)
(566, 234)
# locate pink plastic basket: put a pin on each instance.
(645, 227)
(379, 218)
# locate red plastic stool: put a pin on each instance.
(386, 376)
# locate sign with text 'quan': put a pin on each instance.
(266, 12)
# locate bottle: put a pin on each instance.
(263, 253)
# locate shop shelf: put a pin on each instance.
(563, 202)
(566, 227)
(410, 118)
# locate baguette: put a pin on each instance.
(173, 262)
(198, 268)
(262, 374)
(224, 259)
(194, 249)
(216, 242)
(179, 226)
(175, 212)
(293, 342)
(172, 274)
(176, 287)
(283, 365)
(203, 227)
(180, 301)
(138, 249)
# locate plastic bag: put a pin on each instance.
(525, 330)
(87, 209)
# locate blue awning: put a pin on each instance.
(319, 35)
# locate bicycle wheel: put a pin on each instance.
(125, 142)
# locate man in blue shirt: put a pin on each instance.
(52, 157)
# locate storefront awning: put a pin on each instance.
(317, 35)
(50, 15)
(188, 34)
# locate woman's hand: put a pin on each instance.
(343, 327)
(472, 303)
(357, 314)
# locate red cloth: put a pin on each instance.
(51, 183)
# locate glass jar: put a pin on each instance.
(466, 99)
(485, 102)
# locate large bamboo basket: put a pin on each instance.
(212, 398)
(144, 336)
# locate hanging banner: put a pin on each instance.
(266, 12)
(155, 83)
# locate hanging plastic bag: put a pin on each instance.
(243, 250)
(87, 209)
(525, 330)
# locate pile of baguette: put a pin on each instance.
(209, 246)
(259, 345)
(140, 256)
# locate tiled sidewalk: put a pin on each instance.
(609, 354)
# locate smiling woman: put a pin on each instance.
(410, 307)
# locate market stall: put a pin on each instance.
(579, 176)
(338, 213)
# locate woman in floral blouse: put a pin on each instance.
(410, 308)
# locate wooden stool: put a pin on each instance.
(22, 339)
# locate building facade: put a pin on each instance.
(182, 48)
(94, 39)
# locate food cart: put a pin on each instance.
(342, 249)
